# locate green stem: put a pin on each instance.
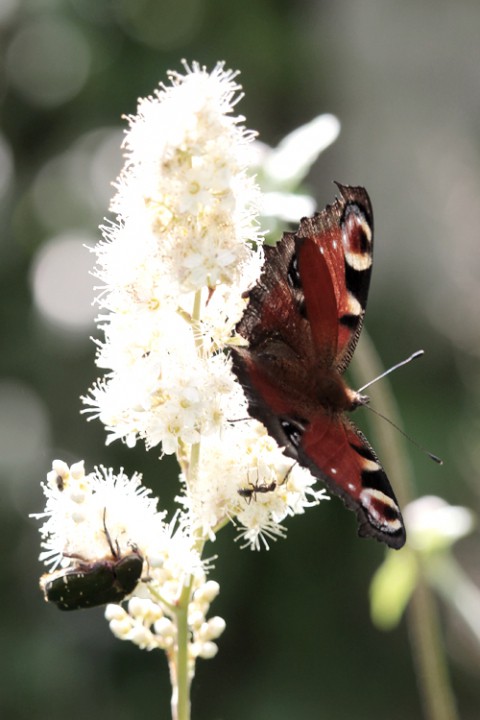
(424, 629)
(180, 672)
(194, 463)
(179, 660)
(197, 306)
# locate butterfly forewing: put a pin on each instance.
(343, 233)
(274, 311)
(320, 302)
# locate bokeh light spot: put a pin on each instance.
(77, 184)
(62, 283)
(7, 10)
(48, 61)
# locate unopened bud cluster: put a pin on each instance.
(152, 624)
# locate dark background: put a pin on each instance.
(404, 80)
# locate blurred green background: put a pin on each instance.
(404, 80)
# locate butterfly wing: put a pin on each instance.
(302, 322)
(343, 234)
(352, 470)
(274, 309)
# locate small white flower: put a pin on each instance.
(433, 524)
(207, 592)
(212, 629)
(205, 650)
(120, 627)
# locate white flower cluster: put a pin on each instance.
(103, 517)
(99, 515)
(174, 264)
(253, 484)
(173, 267)
(433, 524)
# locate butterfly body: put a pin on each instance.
(302, 324)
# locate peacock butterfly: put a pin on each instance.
(302, 323)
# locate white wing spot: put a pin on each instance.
(354, 307)
(370, 465)
(358, 261)
(357, 258)
(366, 229)
(372, 501)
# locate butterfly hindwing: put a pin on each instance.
(302, 323)
(353, 471)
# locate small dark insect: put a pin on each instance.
(90, 584)
(251, 492)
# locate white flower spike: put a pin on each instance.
(186, 224)
(172, 267)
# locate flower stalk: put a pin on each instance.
(179, 670)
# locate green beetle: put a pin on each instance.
(98, 582)
(92, 584)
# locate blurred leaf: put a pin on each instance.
(392, 587)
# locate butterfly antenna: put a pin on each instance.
(433, 457)
(414, 355)
(411, 357)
